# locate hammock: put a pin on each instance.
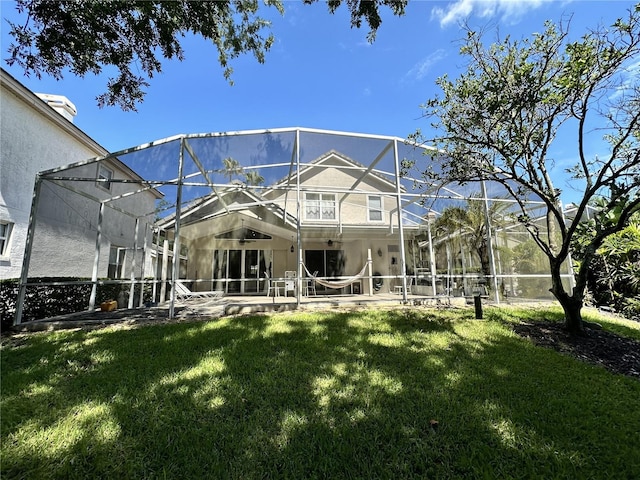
(338, 283)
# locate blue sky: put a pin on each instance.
(320, 73)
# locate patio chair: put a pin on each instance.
(310, 286)
(290, 283)
(272, 286)
(183, 293)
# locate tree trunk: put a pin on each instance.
(572, 314)
(483, 253)
(571, 304)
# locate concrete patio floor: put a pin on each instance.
(199, 308)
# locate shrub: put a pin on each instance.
(42, 301)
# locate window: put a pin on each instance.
(5, 236)
(104, 174)
(375, 208)
(116, 261)
(320, 206)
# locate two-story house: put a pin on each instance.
(333, 217)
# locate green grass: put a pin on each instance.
(612, 323)
(312, 395)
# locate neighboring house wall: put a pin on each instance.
(34, 138)
(71, 219)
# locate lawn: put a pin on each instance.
(363, 394)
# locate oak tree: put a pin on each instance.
(133, 36)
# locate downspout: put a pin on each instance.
(370, 263)
(155, 266)
(165, 268)
(144, 264)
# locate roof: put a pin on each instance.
(43, 108)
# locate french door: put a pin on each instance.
(238, 271)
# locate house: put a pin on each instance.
(38, 135)
(333, 217)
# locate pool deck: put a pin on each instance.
(204, 309)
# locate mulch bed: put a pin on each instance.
(615, 353)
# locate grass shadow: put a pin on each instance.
(316, 395)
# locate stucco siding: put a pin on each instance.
(35, 138)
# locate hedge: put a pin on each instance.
(42, 301)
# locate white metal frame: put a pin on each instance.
(402, 217)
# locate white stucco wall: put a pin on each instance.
(35, 138)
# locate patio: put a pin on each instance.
(205, 309)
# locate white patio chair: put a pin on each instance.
(183, 293)
(272, 286)
(290, 283)
(310, 286)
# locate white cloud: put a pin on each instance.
(367, 92)
(508, 10)
(420, 69)
(628, 80)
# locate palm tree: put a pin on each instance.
(231, 167)
(253, 178)
(469, 226)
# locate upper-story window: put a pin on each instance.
(5, 236)
(374, 207)
(104, 174)
(320, 206)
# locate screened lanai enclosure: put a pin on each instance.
(284, 212)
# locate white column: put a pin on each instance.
(432, 263)
(370, 262)
(403, 263)
(24, 274)
(165, 268)
(298, 214)
(132, 275)
(176, 240)
(96, 260)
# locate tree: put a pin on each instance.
(253, 178)
(231, 167)
(469, 223)
(615, 278)
(498, 121)
(85, 36)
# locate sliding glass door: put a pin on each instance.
(238, 271)
(328, 263)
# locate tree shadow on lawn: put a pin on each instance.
(362, 394)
